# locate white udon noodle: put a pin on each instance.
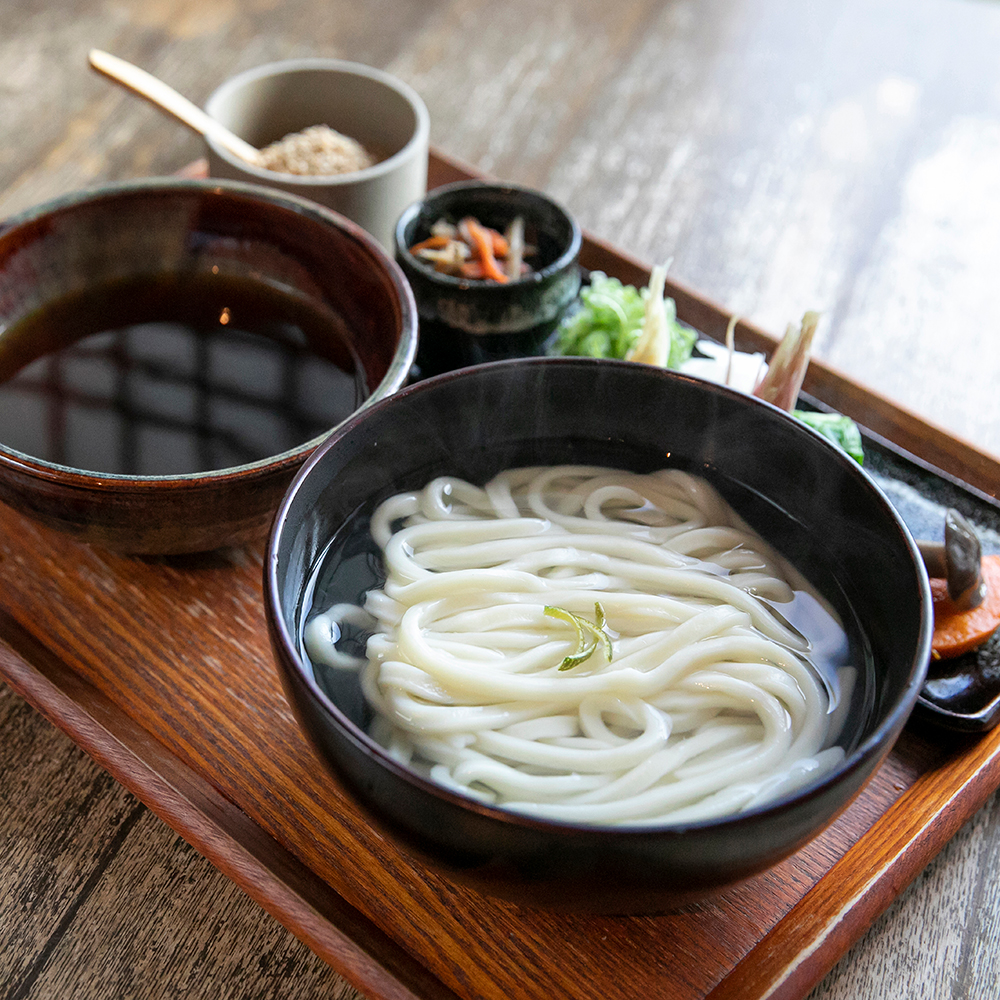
(709, 705)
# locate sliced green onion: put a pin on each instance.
(577, 658)
(584, 649)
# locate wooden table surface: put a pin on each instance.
(786, 154)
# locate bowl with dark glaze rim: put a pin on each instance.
(154, 227)
(801, 493)
(465, 321)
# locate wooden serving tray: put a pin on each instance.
(160, 669)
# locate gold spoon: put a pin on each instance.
(167, 99)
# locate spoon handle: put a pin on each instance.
(166, 98)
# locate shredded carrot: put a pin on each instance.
(472, 269)
(484, 250)
(431, 243)
(473, 250)
(957, 632)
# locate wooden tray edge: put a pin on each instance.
(274, 878)
(814, 935)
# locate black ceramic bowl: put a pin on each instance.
(155, 442)
(467, 322)
(801, 493)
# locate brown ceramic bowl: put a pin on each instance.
(804, 495)
(229, 417)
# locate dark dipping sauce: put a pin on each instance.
(175, 374)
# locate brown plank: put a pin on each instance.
(214, 826)
(82, 853)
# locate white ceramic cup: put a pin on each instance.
(381, 112)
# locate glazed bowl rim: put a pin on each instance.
(875, 744)
(566, 259)
(288, 67)
(393, 379)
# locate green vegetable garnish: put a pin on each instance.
(577, 658)
(682, 338)
(841, 430)
(585, 650)
(609, 322)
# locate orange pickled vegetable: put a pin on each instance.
(472, 269)
(956, 631)
(483, 249)
(473, 250)
(431, 243)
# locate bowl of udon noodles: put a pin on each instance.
(593, 635)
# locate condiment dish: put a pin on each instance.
(385, 115)
(465, 321)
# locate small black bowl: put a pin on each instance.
(466, 322)
(806, 497)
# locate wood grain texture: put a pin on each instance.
(179, 646)
(785, 155)
(136, 663)
(214, 825)
(939, 939)
(98, 898)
